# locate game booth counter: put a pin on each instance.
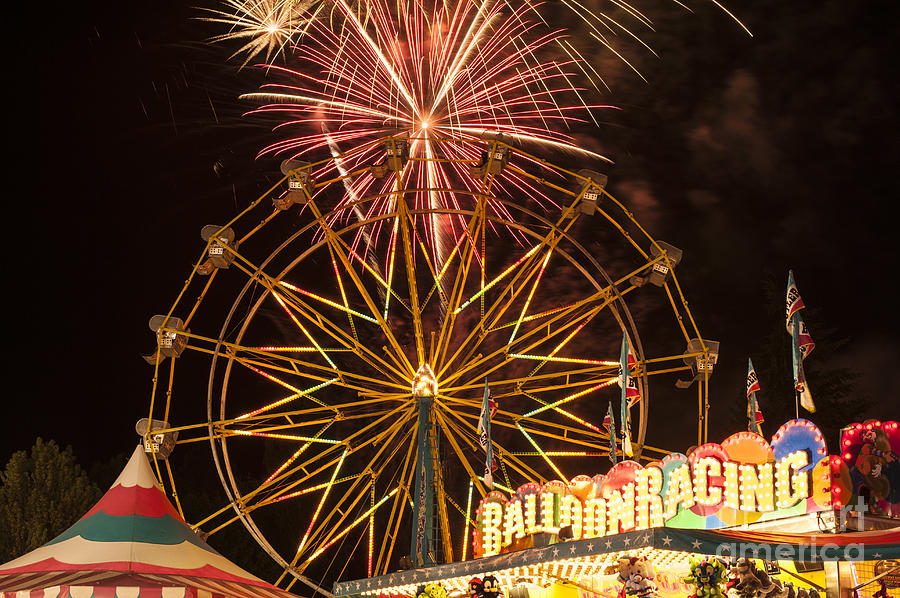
(746, 518)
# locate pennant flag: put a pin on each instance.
(804, 340)
(801, 342)
(488, 408)
(753, 413)
(609, 423)
(794, 301)
(625, 381)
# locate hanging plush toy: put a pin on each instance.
(756, 583)
(476, 588)
(491, 587)
(708, 576)
(637, 577)
(431, 590)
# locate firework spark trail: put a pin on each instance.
(268, 26)
(435, 70)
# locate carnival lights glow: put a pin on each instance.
(632, 497)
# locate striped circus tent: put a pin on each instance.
(132, 544)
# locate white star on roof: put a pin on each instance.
(667, 540)
(556, 552)
(591, 547)
(696, 544)
(572, 549)
(877, 555)
(609, 543)
(627, 541)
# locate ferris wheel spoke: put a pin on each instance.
(356, 382)
(568, 315)
(349, 343)
(271, 354)
(284, 295)
(436, 286)
(340, 249)
(322, 501)
(468, 251)
(510, 387)
(283, 492)
(287, 491)
(502, 353)
(393, 522)
(326, 532)
(390, 270)
(534, 286)
(323, 414)
(275, 477)
(339, 279)
(403, 217)
(565, 413)
(578, 325)
(466, 432)
(325, 301)
(570, 435)
(477, 332)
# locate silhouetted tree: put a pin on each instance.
(41, 494)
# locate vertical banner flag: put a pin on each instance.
(801, 341)
(484, 435)
(609, 423)
(753, 413)
(625, 381)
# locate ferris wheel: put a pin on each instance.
(350, 347)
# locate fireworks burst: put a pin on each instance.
(465, 71)
(267, 27)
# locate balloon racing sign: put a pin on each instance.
(742, 480)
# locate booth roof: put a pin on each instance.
(131, 543)
(594, 553)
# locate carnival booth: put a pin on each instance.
(747, 517)
(132, 544)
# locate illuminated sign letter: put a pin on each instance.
(756, 489)
(570, 513)
(648, 502)
(531, 526)
(549, 512)
(620, 509)
(594, 518)
(513, 522)
(491, 537)
(791, 484)
(679, 491)
(705, 493)
(731, 485)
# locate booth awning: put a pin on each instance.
(131, 544)
(587, 554)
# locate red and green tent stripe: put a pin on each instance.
(131, 544)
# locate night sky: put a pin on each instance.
(752, 154)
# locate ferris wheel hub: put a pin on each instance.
(424, 383)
